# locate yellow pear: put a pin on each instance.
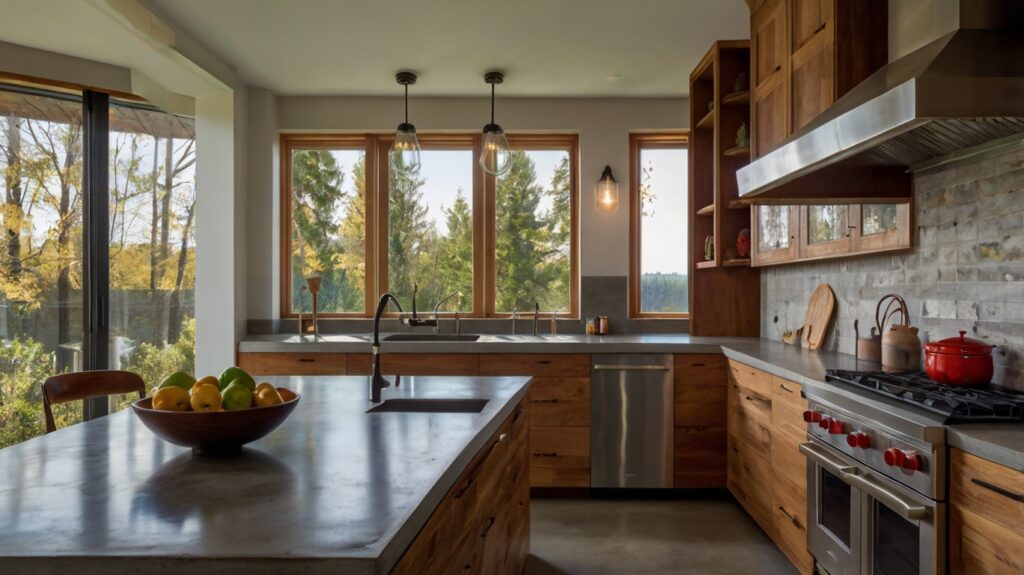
(267, 397)
(206, 398)
(171, 398)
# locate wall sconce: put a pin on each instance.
(607, 193)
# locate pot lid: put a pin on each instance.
(959, 346)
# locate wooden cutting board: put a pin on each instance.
(819, 317)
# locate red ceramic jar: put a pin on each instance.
(958, 361)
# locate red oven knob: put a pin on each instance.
(835, 427)
(894, 457)
(812, 416)
(858, 439)
(912, 462)
(824, 422)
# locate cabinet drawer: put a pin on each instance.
(981, 547)
(787, 461)
(560, 457)
(541, 365)
(988, 489)
(789, 522)
(749, 480)
(758, 381)
(700, 405)
(750, 418)
(788, 406)
(700, 369)
(293, 363)
(428, 553)
(560, 402)
(700, 457)
(415, 364)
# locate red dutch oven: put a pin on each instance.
(958, 361)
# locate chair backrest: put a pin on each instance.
(85, 384)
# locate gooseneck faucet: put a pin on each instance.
(536, 317)
(414, 320)
(437, 306)
(377, 381)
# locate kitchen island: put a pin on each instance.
(334, 489)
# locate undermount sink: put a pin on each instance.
(430, 406)
(419, 337)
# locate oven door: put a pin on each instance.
(834, 511)
(892, 529)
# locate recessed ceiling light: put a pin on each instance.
(613, 77)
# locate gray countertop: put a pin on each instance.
(334, 489)
(1002, 443)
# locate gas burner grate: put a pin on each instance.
(957, 404)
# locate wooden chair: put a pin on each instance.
(84, 385)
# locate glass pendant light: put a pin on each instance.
(607, 193)
(405, 151)
(495, 156)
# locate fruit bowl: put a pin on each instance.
(216, 432)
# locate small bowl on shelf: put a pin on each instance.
(214, 432)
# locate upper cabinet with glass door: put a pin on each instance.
(786, 234)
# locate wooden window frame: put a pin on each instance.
(471, 142)
(291, 142)
(637, 143)
(537, 142)
(377, 192)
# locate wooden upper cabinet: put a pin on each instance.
(812, 62)
(773, 237)
(820, 49)
(768, 62)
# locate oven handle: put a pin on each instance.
(848, 473)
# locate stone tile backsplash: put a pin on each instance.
(965, 273)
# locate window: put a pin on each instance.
(659, 283)
(429, 227)
(152, 243)
(325, 183)
(534, 225)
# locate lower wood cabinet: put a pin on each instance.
(483, 523)
(986, 517)
(294, 363)
(415, 364)
(766, 471)
(700, 421)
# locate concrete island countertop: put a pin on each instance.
(334, 489)
(1001, 442)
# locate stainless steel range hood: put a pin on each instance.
(959, 92)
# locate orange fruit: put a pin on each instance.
(263, 385)
(206, 398)
(267, 397)
(171, 398)
(286, 394)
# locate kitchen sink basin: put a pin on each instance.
(419, 337)
(430, 406)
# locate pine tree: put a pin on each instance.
(455, 265)
(409, 234)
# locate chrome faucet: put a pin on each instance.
(414, 319)
(437, 306)
(377, 381)
(536, 317)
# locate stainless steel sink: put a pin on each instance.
(420, 337)
(426, 405)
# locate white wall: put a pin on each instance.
(603, 126)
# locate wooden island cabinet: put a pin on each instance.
(986, 517)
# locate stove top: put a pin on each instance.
(956, 404)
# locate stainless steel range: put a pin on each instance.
(876, 468)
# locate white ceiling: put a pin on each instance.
(546, 47)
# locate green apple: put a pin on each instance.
(236, 396)
(232, 374)
(178, 379)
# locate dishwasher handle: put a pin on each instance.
(624, 367)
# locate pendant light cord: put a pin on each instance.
(492, 102)
(407, 104)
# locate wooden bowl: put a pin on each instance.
(213, 433)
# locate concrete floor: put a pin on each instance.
(700, 535)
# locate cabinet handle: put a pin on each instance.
(545, 401)
(543, 362)
(777, 68)
(698, 364)
(545, 455)
(306, 359)
(999, 490)
(517, 415)
(501, 438)
(822, 27)
(784, 388)
(791, 517)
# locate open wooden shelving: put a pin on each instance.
(725, 290)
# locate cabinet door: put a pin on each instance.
(824, 231)
(812, 64)
(768, 63)
(774, 234)
(877, 227)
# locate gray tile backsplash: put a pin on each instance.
(966, 272)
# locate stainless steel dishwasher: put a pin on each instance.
(631, 420)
